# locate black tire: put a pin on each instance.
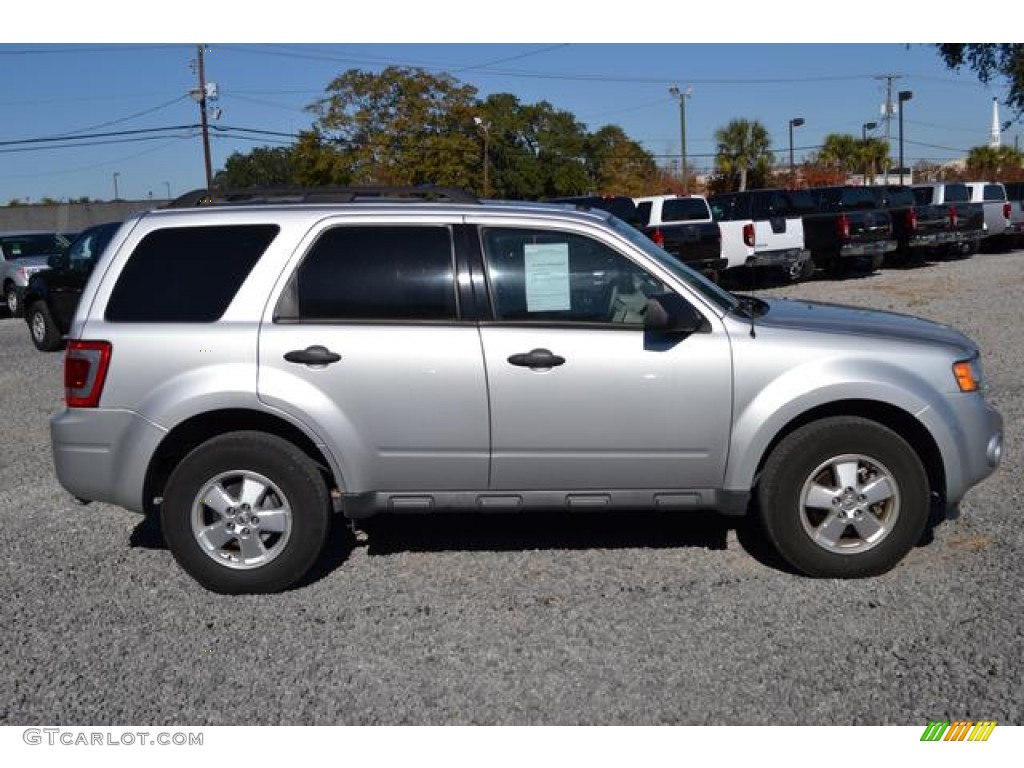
(286, 487)
(13, 302)
(876, 261)
(841, 534)
(43, 330)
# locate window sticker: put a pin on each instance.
(547, 277)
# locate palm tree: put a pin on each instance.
(841, 151)
(743, 146)
(994, 162)
(873, 153)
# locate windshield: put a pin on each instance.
(27, 246)
(717, 296)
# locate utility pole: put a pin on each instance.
(201, 97)
(887, 116)
(682, 96)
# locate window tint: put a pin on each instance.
(1014, 191)
(923, 195)
(89, 245)
(899, 196)
(187, 274)
(957, 193)
(684, 209)
(378, 273)
(27, 246)
(994, 192)
(561, 276)
(643, 212)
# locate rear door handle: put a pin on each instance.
(536, 358)
(315, 355)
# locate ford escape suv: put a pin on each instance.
(250, 366)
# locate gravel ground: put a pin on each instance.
(634, 619)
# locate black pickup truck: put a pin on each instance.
(52, 295)
(965, 221)
(847, 227)
(920, 229)
(684, 227)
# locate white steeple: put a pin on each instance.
(993, 139)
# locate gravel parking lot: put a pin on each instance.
(628, 619)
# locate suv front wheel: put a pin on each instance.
(246, 512)
(844, 497)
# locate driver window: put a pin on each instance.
(544, 275)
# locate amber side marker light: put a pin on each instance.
(965, 378)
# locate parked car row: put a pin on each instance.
(837, 228)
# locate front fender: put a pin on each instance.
(822, 382)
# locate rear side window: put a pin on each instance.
(684, 209)
(957, 193)
(187, 274)
(376, 273)
(994, 192)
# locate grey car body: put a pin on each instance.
(500, 406)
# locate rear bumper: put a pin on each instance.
(868, 249)
(789, 257)
(103, 454)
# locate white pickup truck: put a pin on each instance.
(992, 196)
(665, 212)
(778, 227)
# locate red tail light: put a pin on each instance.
(843, 225)
(911, 219)
(954, 217)
(748, 235)
(85, 371)
(658, 237)
(1006, 210)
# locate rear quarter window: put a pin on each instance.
(187, 274)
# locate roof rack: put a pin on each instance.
(280, 195)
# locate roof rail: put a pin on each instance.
(279, 195)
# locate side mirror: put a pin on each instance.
(57, 261)
(671, 313)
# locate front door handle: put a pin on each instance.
(536, 358)
(315, 355)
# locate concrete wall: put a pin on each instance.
(70, 217)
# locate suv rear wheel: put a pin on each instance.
(844, 497)
(246, 512)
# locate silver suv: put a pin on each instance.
(365, 352)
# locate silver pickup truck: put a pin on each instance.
(22, 254)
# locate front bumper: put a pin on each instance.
(971, 442)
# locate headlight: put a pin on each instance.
(968, 374)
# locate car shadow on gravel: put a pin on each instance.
(643, 529)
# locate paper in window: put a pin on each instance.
(547, 277)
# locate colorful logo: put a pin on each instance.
(961, 730)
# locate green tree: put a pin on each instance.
(399, 126)
(873, 154)
(994, 162)
(744, 150)
(618, 165)
(842, 152)
(262, 167)
(990, 61)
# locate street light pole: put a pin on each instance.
(485, 128)
(904, 96)
(116, 177)
(796, 122)
(682, 97)
(864, 142)
(167, 184)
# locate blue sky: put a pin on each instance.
(63, 81)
